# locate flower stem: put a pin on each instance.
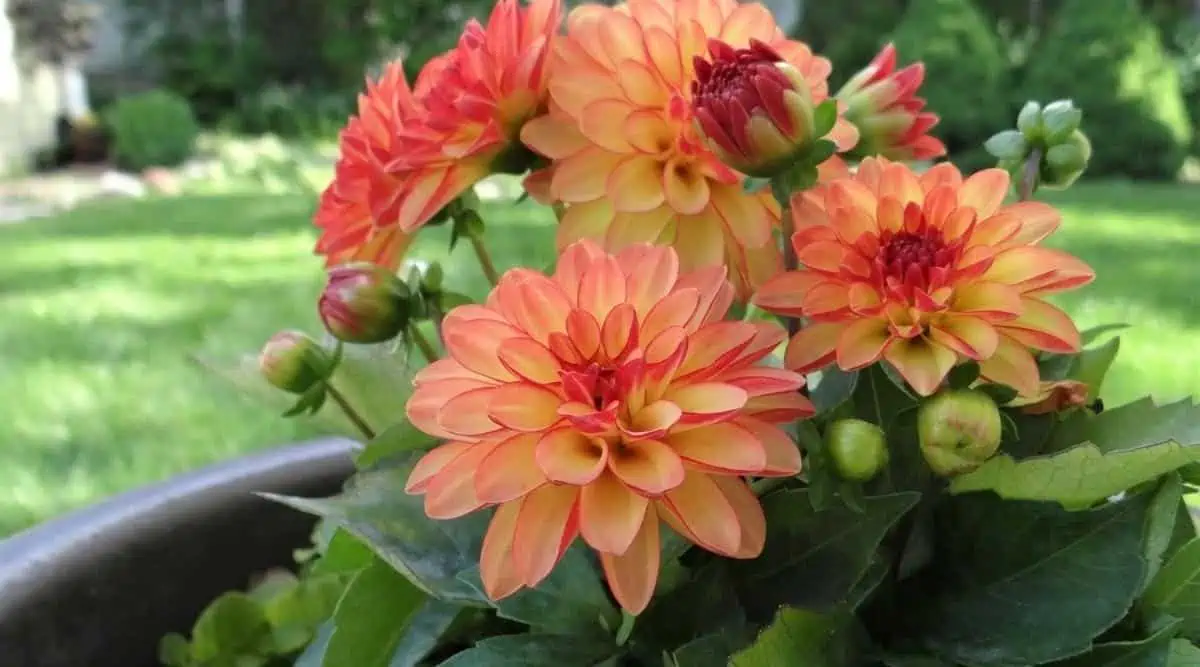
(422, 343)
(1029, 175)
(783, 187)
(350, 412)
(485, 260)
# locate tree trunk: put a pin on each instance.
(74, 90)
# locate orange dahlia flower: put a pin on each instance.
(596, 403)
(627, 159)
(882, 103)
(409, 152)
(925, 271)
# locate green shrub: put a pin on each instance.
(966, 71)
(151, 129)
(1107, 56)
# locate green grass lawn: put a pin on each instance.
(102, 307)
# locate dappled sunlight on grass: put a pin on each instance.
(103, 307)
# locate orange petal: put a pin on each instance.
(1044, 327)
(813, 347)
(653, 420)
(510, 470)
(779, 407)
(530, 360)
(984, 191)
(768, 337)
(707, 402)
(601, 288)
(584, 221)
(782, 454)
(715, 346)
(969, 336)
(473, 343)
(570, 457)
(451, 493)
(467, 413)
(640, 83)
(686, 189)
(861, 343)
(763, 380)
(651, 275)
(534, 303)
(429, 398)
(750, 517)
(610, 515)
(700, 506)
(631, 576)
(553, 137)
(583, 177)
(648, 131)
(1023, 263)
(745, 216)
(1038, 220)
(726, 447)
(785, 293)
(674, 310)
(827, 300)
(524, 407)
(500, 578)
(619, 333)
(431, 464)
(1012, 365)
(922, 362)
(987, 299)
(583, 332)
(546, 526)
(636, 184)
(603, 123)
(648, 466)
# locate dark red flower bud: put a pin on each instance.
(364, 303)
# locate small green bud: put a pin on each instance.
(858, 448)
(1060, 119)
(364, 303)
(1066, 162)
(1029, 121)
(958, 429)
(1007, 145)
(431, 282)
(293, 362)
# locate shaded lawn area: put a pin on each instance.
(103, 306)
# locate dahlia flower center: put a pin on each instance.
(916, 259)
(595, 385)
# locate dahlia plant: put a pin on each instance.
(781, 397)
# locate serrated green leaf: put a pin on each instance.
(398, 438)
(377, 381)
(1183, 653)
(345, 554)
(375, 509)
(711, 650)
(1025, 583)
(572, 600)
(534, 650)
(1076, 478)
(1161, 521)
(814, 559)
(1131, 426)
(706, 604)
(799, 637)
(1149, 652)
(1176, 588)
(371, 618)
(233, 624)
(1091, 365)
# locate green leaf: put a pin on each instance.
(1149, 652)
(1076, 478)
(1091, 365)
(1161, 521)
(174, 650)
(1183, 653)
(425, 629)
(825, 117)
(821, 150)
(1000, 393)
(914, 661)
(572, 600)
(375, 509)
(706, 605)
(395, 439)
(1087, 336)
(799, 637)
(1007, 145)
(1131, 426)
(315, 652)
(1176, 588)
(1024, 583)
(831, 387)
(814, 559)
(534, 650)
(233, 624)
(753, 184)
(963, 375)
(377, 381)
(711, 650)
(344, 555)
(371, 618)
(881, 396)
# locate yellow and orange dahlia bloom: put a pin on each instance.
(626, 157)
(410, 152)
(925, 271)
(600, 402)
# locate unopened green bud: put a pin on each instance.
(1007, 145)
(858, 448)
(958, 429)
(364, 303)
(293, 362)
(431, 282)
(1029, 121)
(1060, 119)
(1066, 162)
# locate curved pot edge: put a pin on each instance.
(165, 502)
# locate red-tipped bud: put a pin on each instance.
(882, 102)
(959, 429)
(754, 110)
(293, 362)
(364, 303)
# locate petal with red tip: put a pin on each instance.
(529, 360)
(451, 493)
(610, 515)
(861, 343)
(726, 448)
(922, 362)
(570, 457)
(1044, 327)
(500, 578)
(700, 505)
(467, 413)
(431, 464)
(785, 293)
(510, 470)
(707, 402)
(984, 191)
(750, 517)
(969, 336)
(632, 575)
(813, 346)
(649, 466)
(782, 454)
(524, 407)
(1012, 365)
(546, 526)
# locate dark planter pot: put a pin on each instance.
(99, 587)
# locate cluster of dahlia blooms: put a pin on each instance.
(696, 163)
